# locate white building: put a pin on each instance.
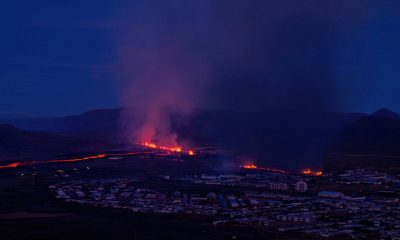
(301, 186)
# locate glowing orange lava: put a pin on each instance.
(150, 145)
(93, 157)
(177, 149)
(98, 156)
(255, 167)
(11, 165)
(249, 166)
(155, 146)
(311, 172)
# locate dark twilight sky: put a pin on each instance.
(66, 57)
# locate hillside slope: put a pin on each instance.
(17, 144)
(372, 142)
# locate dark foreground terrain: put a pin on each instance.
(96, 226)
(28, 211)
(153, 194)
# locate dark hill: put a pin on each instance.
(371, 142)
(99, 124)
(17, 144)
(385, 113)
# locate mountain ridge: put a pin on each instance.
(290, 140)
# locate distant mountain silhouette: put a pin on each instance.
(371, 142)
(385, 113)
(99, 124)
(17, 144)
(278, 139)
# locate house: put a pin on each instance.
(301, 186)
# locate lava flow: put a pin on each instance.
(250, 166)
(98, 156)
(176, 149)
(12, 165)
(311, 172)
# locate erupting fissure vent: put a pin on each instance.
(177, 149)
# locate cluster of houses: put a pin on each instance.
(266, 180)
(363, 176)
(282, 202)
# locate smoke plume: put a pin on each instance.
(241, 55)
(160, 76)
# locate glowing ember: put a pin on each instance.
(311, 172)
(191, 152)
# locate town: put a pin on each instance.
(355, 204)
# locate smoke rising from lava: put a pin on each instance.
(160, 80)
(246, 55)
